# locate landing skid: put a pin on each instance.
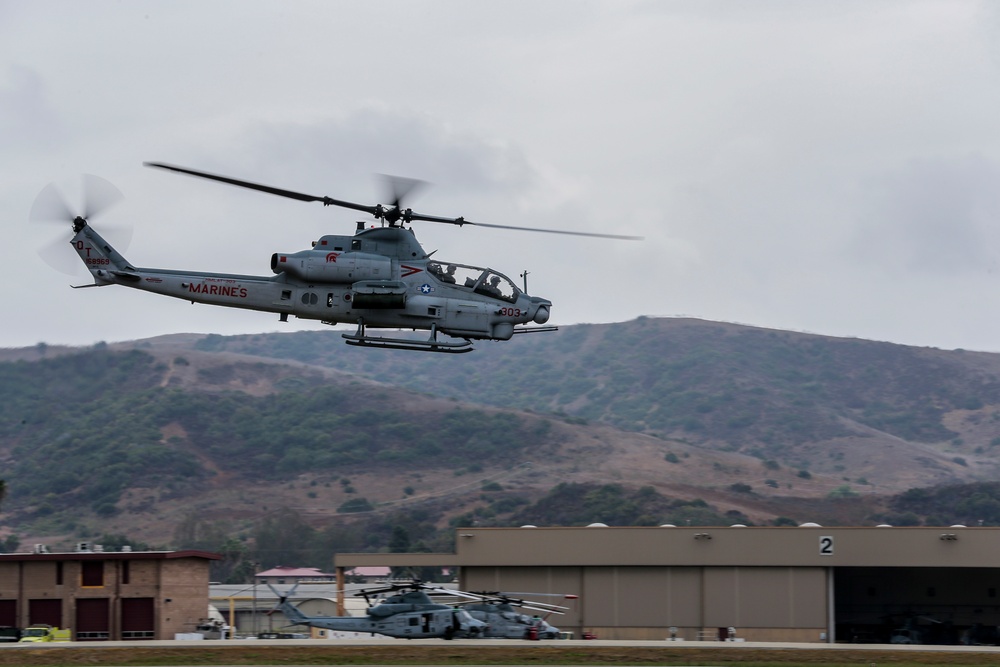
(432, 344)
(408, 344)
(519, 330)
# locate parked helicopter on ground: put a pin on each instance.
(408, 613)
(500, 612)
(379, 278)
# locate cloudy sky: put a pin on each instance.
(829, 167)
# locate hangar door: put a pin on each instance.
(917, 605)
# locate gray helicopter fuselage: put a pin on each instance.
(380, 276)
(422, 624)
(412, 616)
(506, 622)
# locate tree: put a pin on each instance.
(284, 537)
(399, 543)
(235, 566)
(196, 532)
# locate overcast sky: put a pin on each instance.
(829, 167)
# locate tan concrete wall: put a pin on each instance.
(143, 578)
(39, 580)
(723, 546)
(9, 576)
(185, 584)
(630, 602)
(779, 597)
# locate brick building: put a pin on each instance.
(104, 595)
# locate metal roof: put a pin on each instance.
(110, 555)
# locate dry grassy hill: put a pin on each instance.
(761, 423)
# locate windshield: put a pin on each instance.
(35, 632)
(482, 281)
(464, 617)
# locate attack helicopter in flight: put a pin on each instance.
(408, 613)
(378, 278)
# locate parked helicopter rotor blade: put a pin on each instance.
(291, 194)
(391, 588)
(518, 602)
(507, 596)
(541, 609)
(565, 596)
(514, 602)
(449, 592)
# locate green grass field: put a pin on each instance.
(516, 653)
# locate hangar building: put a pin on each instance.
(797, 584)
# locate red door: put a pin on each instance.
(93, 622)
(8, 613)
(138, 618)
(45, 611)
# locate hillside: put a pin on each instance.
(825, 404)
(195, 440)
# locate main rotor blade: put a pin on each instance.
(462, 221)
(400, 188)
(517, 602)
(566, 596)
(455, 593)
(291, 194)
(620, 237)
(542, 609)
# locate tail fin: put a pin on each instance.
(290, 611)
(100, 258)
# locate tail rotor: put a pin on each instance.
(51, 207)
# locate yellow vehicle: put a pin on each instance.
(45, 633)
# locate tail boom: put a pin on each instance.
(97, 255)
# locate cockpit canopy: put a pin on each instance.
(482, 281)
